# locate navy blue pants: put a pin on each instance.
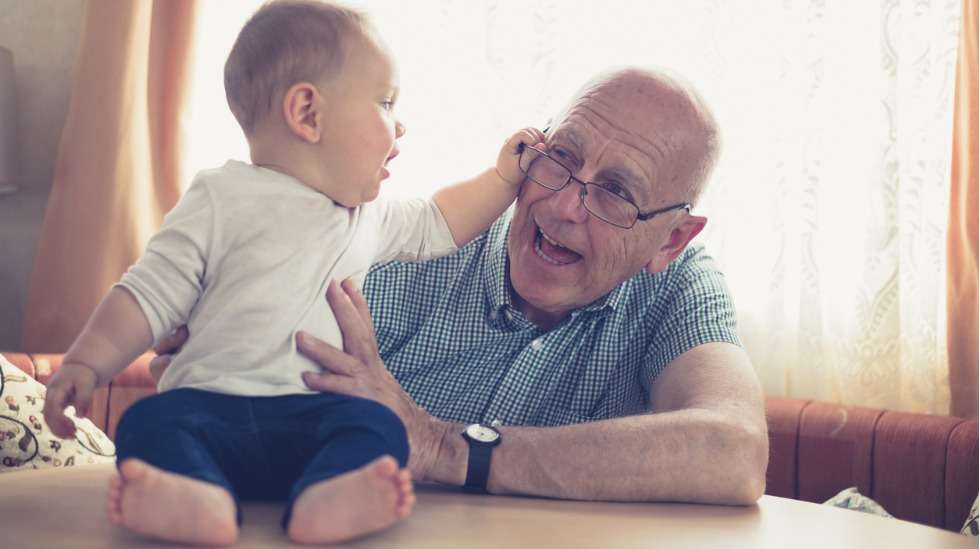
(259, 448)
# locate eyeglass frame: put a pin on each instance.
(640, 216)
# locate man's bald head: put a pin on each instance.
(665, 111)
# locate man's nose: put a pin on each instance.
(399, 129)
(568, 203)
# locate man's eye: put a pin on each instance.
(617, 190)
(564, 158)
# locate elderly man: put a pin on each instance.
(579, 349)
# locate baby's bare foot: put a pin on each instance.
(353, 504)
(164, 505)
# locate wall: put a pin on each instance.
(43, 36)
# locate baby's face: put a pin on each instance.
(361, 130)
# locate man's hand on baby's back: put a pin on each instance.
(357, 370)
(165, 350)
(71, 385)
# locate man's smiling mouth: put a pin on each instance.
(548, 249)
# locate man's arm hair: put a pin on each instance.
(704, 441)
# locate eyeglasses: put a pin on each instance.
(598, 200)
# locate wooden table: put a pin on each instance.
(64, 508)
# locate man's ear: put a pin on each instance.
(679, 239)
(302, 109)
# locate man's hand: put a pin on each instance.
(359, 371)
(165, 350)
(71, 385)
(508, 161)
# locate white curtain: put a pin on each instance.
(828, 207)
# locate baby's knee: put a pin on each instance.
(384, 421)
(376, 413)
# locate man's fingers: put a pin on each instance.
(165, 350)
(327, 356)
(330, 383)
(352, 327)
(158, 365)
(173, 342)
(360, 304)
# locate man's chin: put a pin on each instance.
(538, 282)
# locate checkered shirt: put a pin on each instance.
(449, 333)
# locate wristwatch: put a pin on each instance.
(482, 440)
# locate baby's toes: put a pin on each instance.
(404, 507)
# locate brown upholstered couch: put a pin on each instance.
(918, 467)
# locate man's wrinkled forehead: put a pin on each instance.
(627, 139)
(567, 134)
(609, 111)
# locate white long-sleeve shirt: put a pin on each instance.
(244, 259)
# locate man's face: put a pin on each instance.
(361, 131)
(618, 132)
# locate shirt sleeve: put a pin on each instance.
(696, 308)
(413, 230)
(168, 279)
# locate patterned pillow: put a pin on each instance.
(850, 498)
(26, 442)
(970, 525)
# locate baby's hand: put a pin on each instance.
(71, 385)
(508, 167)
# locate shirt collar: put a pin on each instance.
(495, 266)
(497, 284)
(609, 302)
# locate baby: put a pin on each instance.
(244, 260)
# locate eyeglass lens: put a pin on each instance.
(606, 205)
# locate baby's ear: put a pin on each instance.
(301, 111)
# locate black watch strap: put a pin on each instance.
(478, 470)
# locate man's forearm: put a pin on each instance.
(687, 455)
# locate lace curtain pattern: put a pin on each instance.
(828, 207)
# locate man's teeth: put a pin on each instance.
(549, 239)
(540, 253)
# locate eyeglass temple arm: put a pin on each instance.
(649, 215)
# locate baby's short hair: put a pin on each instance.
(285, 42)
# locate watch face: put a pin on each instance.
(482, 434)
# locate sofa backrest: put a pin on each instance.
(919, 467)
